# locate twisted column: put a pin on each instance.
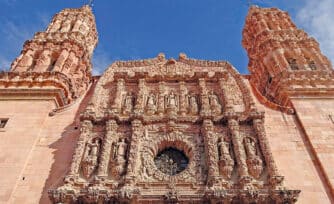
(238, 148)
(274, 176)
(137, 132)
(211, 151)
(111, 132)
(86, 129)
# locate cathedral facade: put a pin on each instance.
(168, 130)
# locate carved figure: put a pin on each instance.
(128, 103)
(193, 106)
(226, 162)
(121, 156)
(254, 161)
(171, 103)
(214, 104)
(171, 100)
(151, 104)
(121, 149)
(90, 159)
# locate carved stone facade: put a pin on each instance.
(172, 130)
(201, 109)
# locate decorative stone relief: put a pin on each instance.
(128, 103)
(193, 104)
(173, 133)
(151, 104)
(90, 158)
(226, 162)
(254, 162)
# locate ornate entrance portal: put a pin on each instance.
(172, 131)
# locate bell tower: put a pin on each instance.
(61, 55)
(283, 60)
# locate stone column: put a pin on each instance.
(139, 107)
(274, 177)
(76, 26)
(183, 98)
(43, 62)
(137, 133)
(86, 130)
(111, 132)
(70, 63)
(205, 109)
(211, 152)
(61, 60)
(238, 148)
(161, 98)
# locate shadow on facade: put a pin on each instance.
(64, 147)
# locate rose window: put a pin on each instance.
(171, 161)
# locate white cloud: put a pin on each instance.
(4, 63)
(316, 17)
(101, 61)
(13, 34)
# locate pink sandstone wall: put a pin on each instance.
(293, 156)
(317, 118)
(35, 147)
(21, 134)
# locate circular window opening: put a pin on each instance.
(171, 161)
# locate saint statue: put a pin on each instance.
(214, 103)
(226, 163)
(171, 100)
(193, 106)
(151, 104)
(128, 103)
(90, 160)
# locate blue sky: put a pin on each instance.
(139, 29)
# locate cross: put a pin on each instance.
(90, 2)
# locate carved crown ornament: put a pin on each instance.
(166, 130)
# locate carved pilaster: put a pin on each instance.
(205, 111)
(117, 105)
(111, 132)
(161, 98)
(211, 151)
(240, 155)
(274, 177)
(224, 88)
(86, 129)
(183, 98)
(139, 106)
(137, 133)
